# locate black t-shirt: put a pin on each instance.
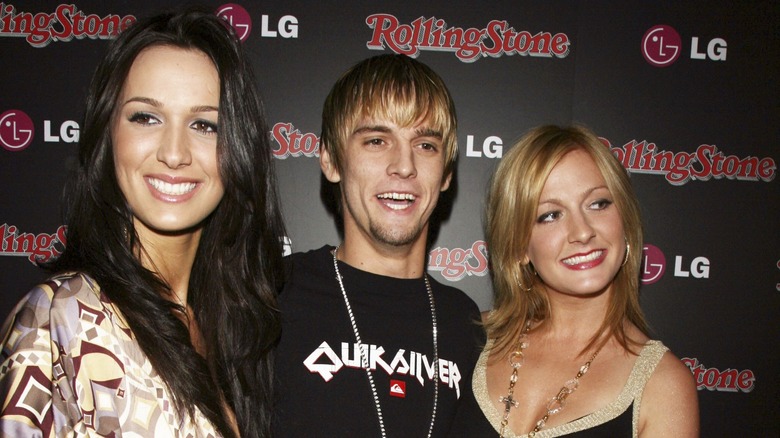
(321, 389)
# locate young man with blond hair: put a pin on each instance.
(371, 345)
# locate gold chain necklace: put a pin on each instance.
(556, 404)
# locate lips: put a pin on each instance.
(171, 189)
(585, 261)
(396, 200)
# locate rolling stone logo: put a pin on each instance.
(496, 39)
(65, 23)
(681, 167)
(38, 248)
(456, 263)
(713, 379)
(293, 143)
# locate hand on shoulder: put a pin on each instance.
(670, 404)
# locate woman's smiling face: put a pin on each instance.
(577, 244)
(164, 136)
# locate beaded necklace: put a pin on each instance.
(556, 404)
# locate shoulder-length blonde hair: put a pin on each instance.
(510, 216)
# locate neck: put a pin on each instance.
(575, 319)
(406, 261)
(171, 257)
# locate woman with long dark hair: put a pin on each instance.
(161, 316)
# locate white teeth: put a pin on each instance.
(576, 260)
(396, 196)
(171, 189)
(400, 197)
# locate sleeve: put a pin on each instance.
(35, 385)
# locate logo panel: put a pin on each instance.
(16, 130)
(237, 17)
(661, 46)
(653, 264)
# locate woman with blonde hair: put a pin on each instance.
(568, 348)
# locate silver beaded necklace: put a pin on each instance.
(363, 354)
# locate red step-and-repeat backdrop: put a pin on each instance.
(685, 93)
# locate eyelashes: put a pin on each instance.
(553, 215)
(548, 217)
(205, 127)
(202, 126)
(144, 119)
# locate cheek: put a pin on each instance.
(433, 171)
(537, 248)
(210, 165)
(128, 150)
(613, 227)
(122, 156)
(210, 162)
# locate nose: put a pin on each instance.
(580, 229)
(402, 161)
(174, 150)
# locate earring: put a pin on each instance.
(628, 251)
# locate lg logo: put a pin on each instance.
(16, 130)
(239, 18)
(662, 46)
(654, 266)
(492, 147)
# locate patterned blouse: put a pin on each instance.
(70, 366)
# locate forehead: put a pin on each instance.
(574, 173)
(160, 67)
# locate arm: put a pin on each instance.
(28, 395)
(670, 404)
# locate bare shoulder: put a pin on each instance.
(670, 405)
(484, 315)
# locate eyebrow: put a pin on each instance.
(584, 194)
(157, 104)
(370, 128)
(429, 132)
(421, 132)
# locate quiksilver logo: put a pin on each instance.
(325, 362)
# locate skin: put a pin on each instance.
(577, 248)
(165, 153)
(390, 183)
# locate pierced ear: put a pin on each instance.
(328, 167)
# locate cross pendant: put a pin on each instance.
(509, 403)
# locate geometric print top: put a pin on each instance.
(70, 366)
